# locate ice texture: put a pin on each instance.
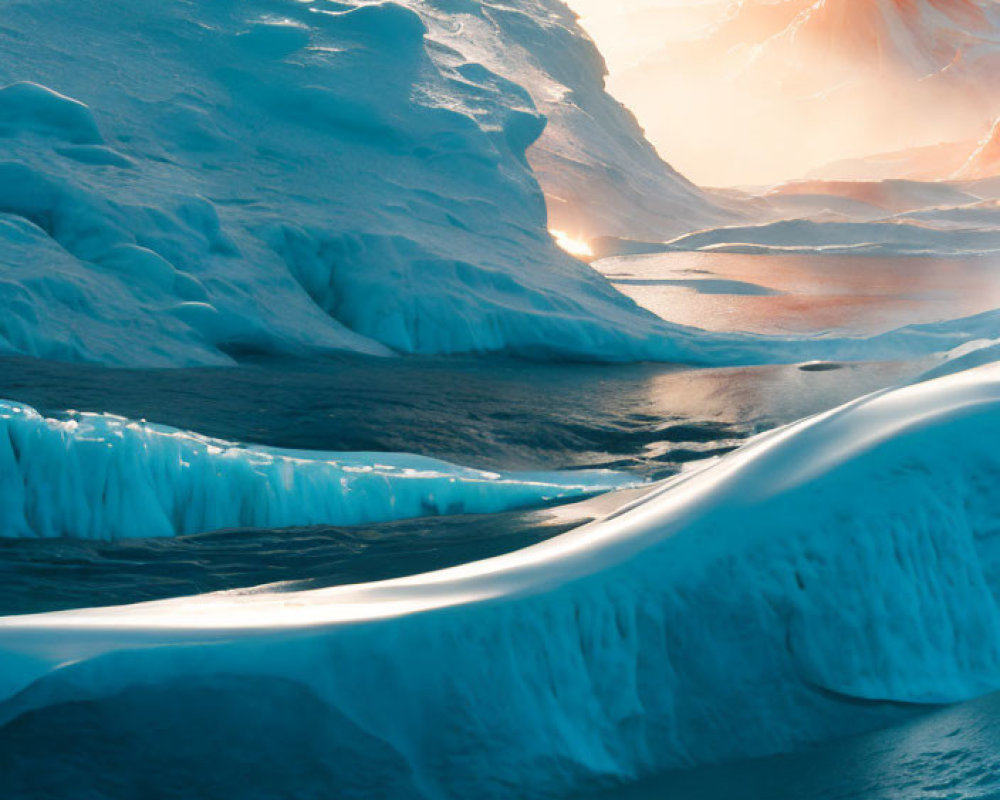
(600, 175)
(807, 586)
(224, 179)
(98, 476)
(276, 176)
(286, 177)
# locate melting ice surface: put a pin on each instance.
(788, 593)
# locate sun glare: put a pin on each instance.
(574, 246)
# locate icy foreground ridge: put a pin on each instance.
(97, 476)
(184, 183)
(798, 589)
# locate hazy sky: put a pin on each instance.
(758, 106)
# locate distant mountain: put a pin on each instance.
(803, 83)
(968, 159)
(985, 159)
(924, 38)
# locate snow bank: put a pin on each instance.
(798, 589)
(186, 184)
(976, 353)
(892, 237)
(97, 476)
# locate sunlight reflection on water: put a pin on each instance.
(799, 294)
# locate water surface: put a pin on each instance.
(805, 294)
(649, 419)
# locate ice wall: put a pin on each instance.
(822, 579)
(97, 476)
(189, 183)
(600, 175)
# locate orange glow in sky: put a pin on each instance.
(762, 91)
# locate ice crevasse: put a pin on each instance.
(821, 579)
(98, 476)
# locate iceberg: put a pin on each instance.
(98, 476)
(826, 578)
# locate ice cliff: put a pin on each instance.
(98, 476)
(199, 181)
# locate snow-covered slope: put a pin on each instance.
(185, 182)
(97, 476)
(600, 175)
(924, 38)
(809, 585)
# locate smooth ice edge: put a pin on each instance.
(98, 476)
(896, 236)
(796, 590)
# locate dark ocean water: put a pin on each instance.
(947, 754)
(496, 414)
(255, 739)
(648, 419)
(50, 575)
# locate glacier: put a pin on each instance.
(98, 476)
(299, 192)
(827, 578)
(291, 177)
(300, 178)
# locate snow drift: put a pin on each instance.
(807, 586)
(188, 183)
(98, 476)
